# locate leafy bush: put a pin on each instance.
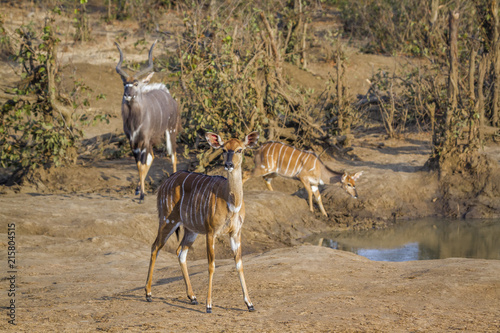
(37, 128)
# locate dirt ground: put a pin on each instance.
(83, 241)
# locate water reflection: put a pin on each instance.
(420, 240)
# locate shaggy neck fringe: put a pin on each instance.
(154, 86)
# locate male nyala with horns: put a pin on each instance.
(148, 112)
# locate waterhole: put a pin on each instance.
(424, 239)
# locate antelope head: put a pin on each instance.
(132, 86)
(348, 183)
(233, 148)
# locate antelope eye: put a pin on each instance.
(239, 151)
(224, 150)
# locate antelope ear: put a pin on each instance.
(148, 78)
(214, 140)
(251, 139)
(357, 175)
(344, 176)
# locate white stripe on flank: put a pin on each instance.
(212, 197)
(182, 197)
(273, 159)
(303, 163)
(199, 213)
(267, 155)
(156, 107)
(296, 162)
(214, 208)
(289, 160)
(314, 166)
(278, 167)
(197, 203)
(206, 197)
(192, 197)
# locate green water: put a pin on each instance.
(420, 240)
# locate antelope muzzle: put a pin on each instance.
(228, 164)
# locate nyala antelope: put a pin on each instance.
(209, 205)
(148, 112)
(277, 159)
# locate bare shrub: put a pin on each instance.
(231, 78)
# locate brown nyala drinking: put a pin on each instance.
(148, 112)
(277, 159)
(208, 205)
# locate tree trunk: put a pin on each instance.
(434, 12)
(483, 66)
(496, 61)
(274, 48)
(453, 74)
(472, 97)
(304, 60)
(340, 115)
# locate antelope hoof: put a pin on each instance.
(137, 190)
(141, 198)
(209, 310)
(251, 308)
(194, 301)
(148, 298)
